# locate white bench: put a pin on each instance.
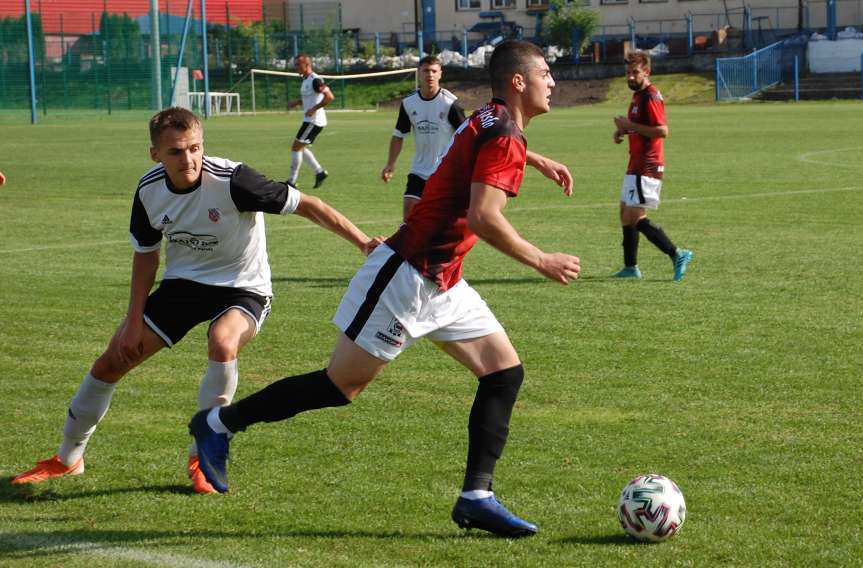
(220, 103)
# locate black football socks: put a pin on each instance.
(283, 399)
(657, 236)
(630, 245)
(488, 426)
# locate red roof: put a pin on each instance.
(78, 15)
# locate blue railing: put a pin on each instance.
(743, 77)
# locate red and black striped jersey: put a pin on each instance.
(646, 155)
(487, 148)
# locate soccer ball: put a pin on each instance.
(651, 508)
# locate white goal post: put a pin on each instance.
(286, 74)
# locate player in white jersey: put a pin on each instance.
(315, 95)
(434, 114)
(209, 211)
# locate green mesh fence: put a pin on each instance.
(101, 61)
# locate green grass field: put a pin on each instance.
(741, 383)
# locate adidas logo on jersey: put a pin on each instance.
(167, 220)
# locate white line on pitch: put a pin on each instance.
(58, 545)
(807, 158)
(696, 199)
(274, 227)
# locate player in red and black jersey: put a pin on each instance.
(412, 287)
(646, 128)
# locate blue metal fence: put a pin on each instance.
(743, 77)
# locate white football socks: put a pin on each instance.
(310, 158)
(86, 410)
(296, 162)
(218, 387)
(214, 422)
(476, 494)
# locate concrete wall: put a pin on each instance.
(653, 16)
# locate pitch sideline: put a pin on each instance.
(55, 544)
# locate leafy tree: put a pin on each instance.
(13, 38)
(120, 36)
(565, 17)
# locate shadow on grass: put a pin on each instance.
(606, 539)
(314, 282)
(34, 493)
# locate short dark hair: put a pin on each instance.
(177, 118)
(429, 60)
(640, 58)
(511, 57)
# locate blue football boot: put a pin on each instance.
(628, 272)
(212, 451)
(489, 515)
(681, 260)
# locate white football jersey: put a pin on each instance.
(434, 121)
(214, 232)
(311, 91)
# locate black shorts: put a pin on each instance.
(415, 186)
(179, 305)
(308, 132)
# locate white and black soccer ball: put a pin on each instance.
(651, 508)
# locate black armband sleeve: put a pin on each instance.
(456, 115)
(139, 225)
(403, 123)
(252, 191)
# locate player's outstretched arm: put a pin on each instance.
(318, 212)
(485, 218)
(555, 171)
(145, 265)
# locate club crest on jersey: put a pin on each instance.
(214, 214)
(394, 330)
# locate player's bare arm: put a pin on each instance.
(328, 98)
(396, 144)
(144, 269)
(2, 178)
(555, 171)
(627, 126)
(318, 212)
(485, 218)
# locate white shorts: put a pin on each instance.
(389, 305)
(640, 191)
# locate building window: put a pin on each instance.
(498, 4)
(604, 2)
(537, 3)
(467, 4)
